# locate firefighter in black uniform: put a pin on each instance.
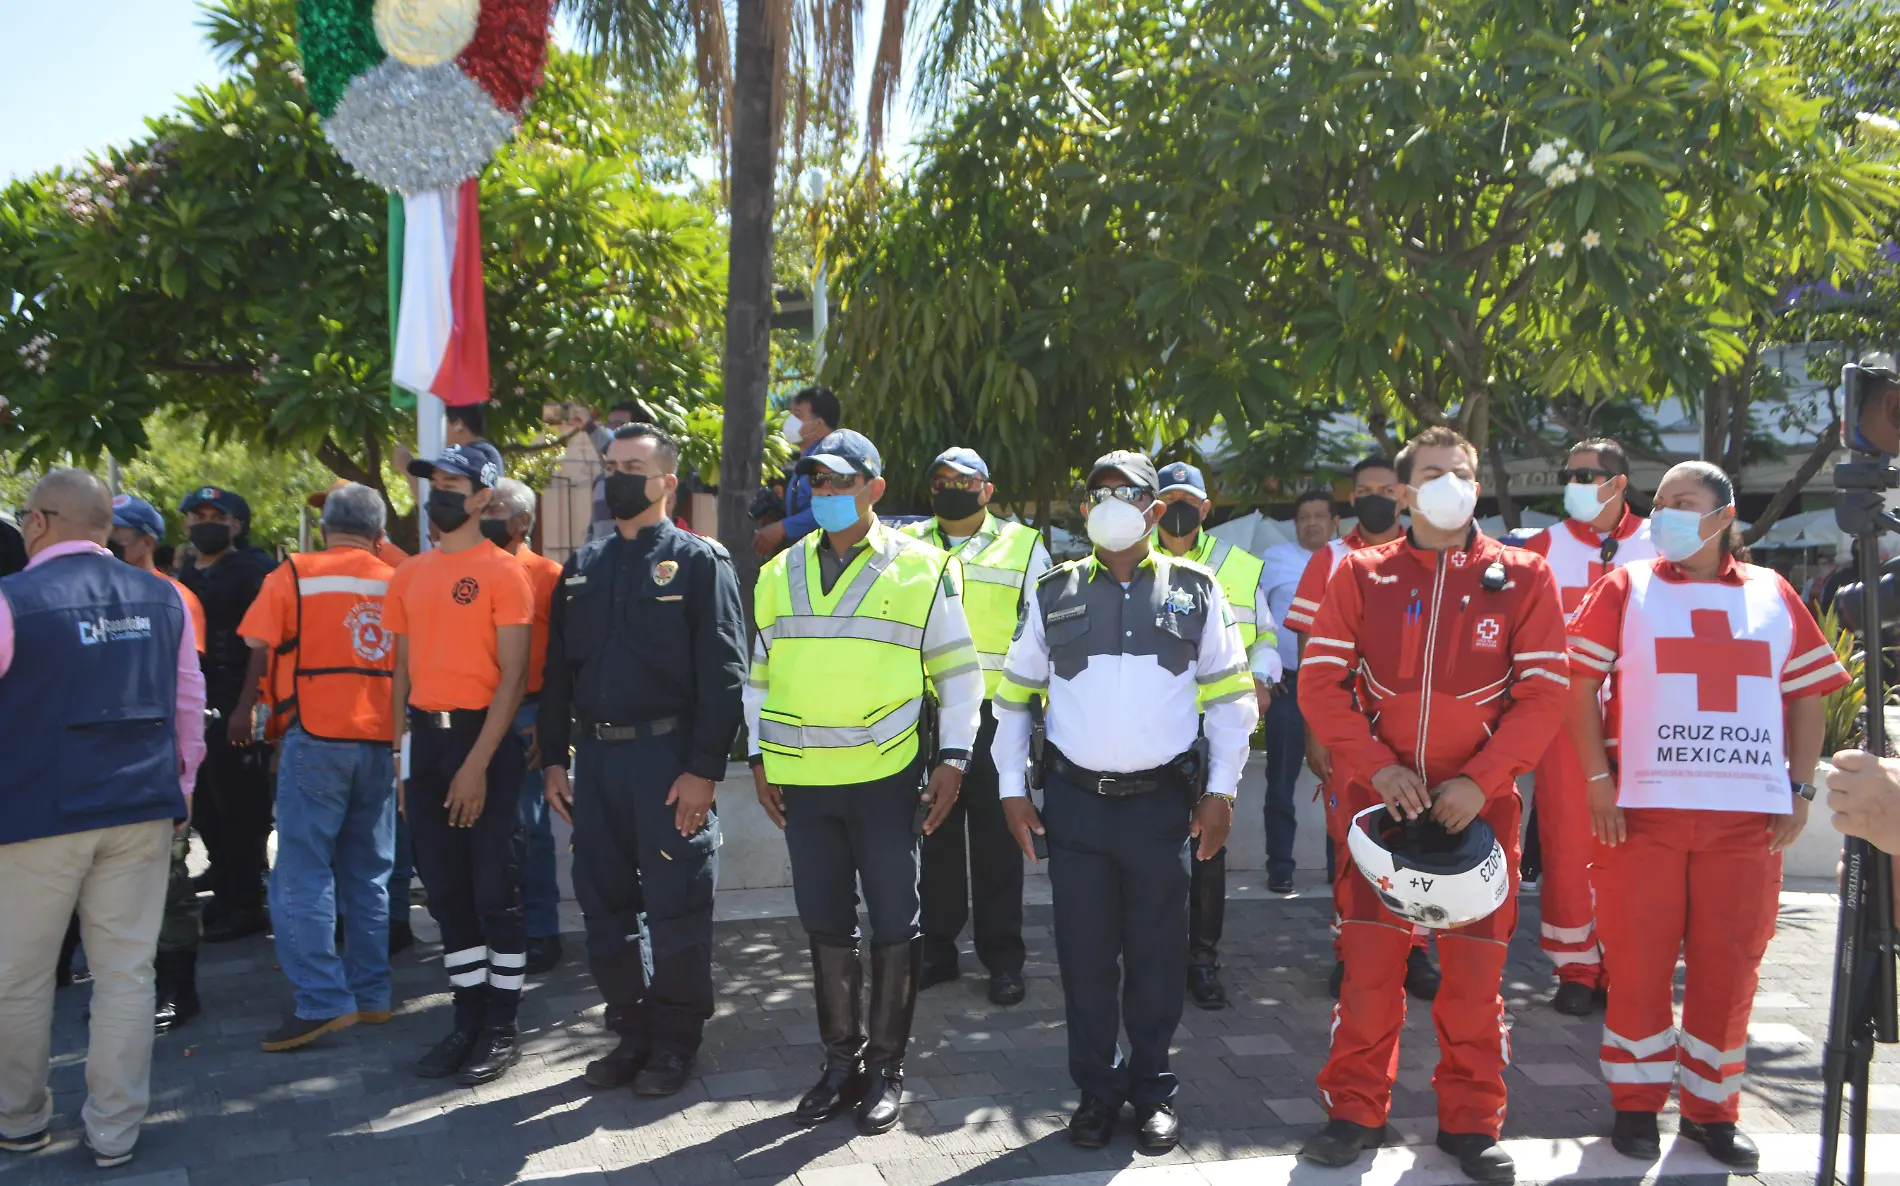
(232, 806)
(646, 663)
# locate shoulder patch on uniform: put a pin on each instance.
(1180, 601)
(718, 549)
(1063, 615)
(1056, 570)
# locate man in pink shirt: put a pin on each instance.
(99, 669)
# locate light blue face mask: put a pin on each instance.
(1677, 534)
(835, 512)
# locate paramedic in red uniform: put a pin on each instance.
(1600, 534)
(1456, 643)
(1375, 502)
(1717, 700)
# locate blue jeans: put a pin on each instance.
(1286, 753)
(336, 839)
(540, 888)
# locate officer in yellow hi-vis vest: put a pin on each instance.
(1001, 562)
(1135, 657)
(1184, 504)
(853, 620)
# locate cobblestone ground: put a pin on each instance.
(989, 1090)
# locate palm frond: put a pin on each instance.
(886, 70)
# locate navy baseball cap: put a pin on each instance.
(843, 452)
(964, 461)
(1182, 476)
(478, 461)
(139, 515)
(230, 503)
(1129, 464)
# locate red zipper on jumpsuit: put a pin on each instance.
(1431, 647)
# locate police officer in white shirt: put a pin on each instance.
(1127, 648)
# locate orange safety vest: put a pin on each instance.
(333, 672)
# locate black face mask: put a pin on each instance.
(447, 510)
(1181, 519)
(1376, 512)
(116, 548)
(956, 504)
(627, 495)
(496, 531)
(210, 538)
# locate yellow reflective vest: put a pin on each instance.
(994, 561)
(846, 668)
(1238, 572)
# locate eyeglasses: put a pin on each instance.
(842, 483)
(963, 482)
(1584, 475)
(1132, 495)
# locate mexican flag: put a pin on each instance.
(441, 326)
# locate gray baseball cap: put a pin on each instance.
(1129, 464)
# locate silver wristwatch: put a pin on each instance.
(962, 765)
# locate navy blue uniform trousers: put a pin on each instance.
(840, 836)
(645, 890)
(1118, 873)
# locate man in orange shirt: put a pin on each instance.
(462, 615)
(508, 521)
(386, 551)
(319, 615)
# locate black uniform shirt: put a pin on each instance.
(227, 589)
(641, 630)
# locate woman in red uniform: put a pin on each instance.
(1695, 768)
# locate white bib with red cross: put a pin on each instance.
(1699, 694)
(1577, 564)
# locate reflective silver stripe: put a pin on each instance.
(1023, 681)
(1218, 556)
(975, 545)
(860, 586)
(1578, 643)
(468, 979)
(986, 575)
(1568, 934)
(867, 629)
(971, 668)
(1637, 1072)
(1716, 1092)
(468, 955)
(507, 959)
(942, 649)
(1218, 676)
(795, 577)
(1648, 1047)
(1695, 1047)
(1564, 959)
(889, 727)
(367, 586)
(506, 983)
(1244, 616)
(992, 662)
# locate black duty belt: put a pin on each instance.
(1174, 776)
(607, 731)
(425, 719)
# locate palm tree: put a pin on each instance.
(772, 52)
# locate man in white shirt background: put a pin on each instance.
(1314, 524)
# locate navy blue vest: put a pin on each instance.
(87, 705)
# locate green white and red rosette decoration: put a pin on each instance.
(418, 95)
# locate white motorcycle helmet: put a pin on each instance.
(1426, 875)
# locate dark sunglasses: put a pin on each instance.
(1584, 476)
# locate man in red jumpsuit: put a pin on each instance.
(1456, 645)
(1375, 502)
(1600, 534)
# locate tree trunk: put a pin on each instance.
(1810, 465)
(1507, 506)
(754, 162)
(1715, 404)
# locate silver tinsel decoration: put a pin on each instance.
(409, 128)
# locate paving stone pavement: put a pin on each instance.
(988, 1088)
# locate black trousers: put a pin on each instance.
(473, 874)
(841, 836)
(983, 876)
(646, 891)
(1118, 872)
(232, 809)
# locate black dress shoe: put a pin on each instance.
(878, 1110)
(1726, 1143)
(544, 955)
(238, 924)
(837, 1089)
(939, 971)
(1160, 1129)
(1340, 1143)
(1635, 1135)
(401, 938)
(1574, 999)
(1092, 1125)
(1204, 987)
(618, 1068)
(493, 1054)
(1280, 883)
(1479, 1156)
(665, 1074)
(448, 1055)
(1007, 988)
(1421, 974)
(175, 989)
(1337, 979)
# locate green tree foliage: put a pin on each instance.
(229, 265)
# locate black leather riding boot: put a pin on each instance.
(838, 984)
(896, 971)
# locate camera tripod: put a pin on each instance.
(1863, 1010)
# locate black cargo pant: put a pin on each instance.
(232, 808)
(984, 879)
(473, 874)
(645, 890)
(841, 837)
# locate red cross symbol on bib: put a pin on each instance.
(1716, 658)
(1572, 595)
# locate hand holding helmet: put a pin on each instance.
(1427, 874)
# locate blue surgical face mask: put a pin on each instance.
(835, 512)
(1677, 534)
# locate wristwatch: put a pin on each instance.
(962, 765)
(1803, 789)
